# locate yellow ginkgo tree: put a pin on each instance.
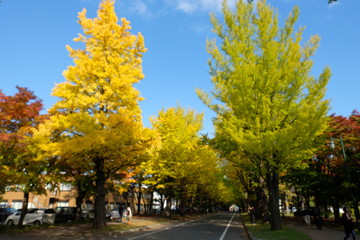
(266, 100)
(96, 124)
(184, 168)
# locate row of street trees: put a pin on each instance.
(94, 136)
(271, 118)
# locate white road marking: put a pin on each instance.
(227, 227)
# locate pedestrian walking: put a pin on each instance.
(317, 219)
(349, 226)
(128, 213)
(307, 217)
(121, 212)
(252, 214)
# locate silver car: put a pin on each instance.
(113, 214)
(88, 214)
(33, 216)
(49, 216)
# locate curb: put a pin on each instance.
(247, 232)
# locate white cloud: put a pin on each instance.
(139, 7)
(151, 8)
(210, 5)
(334, 4)
(190, 6)
(186, 6)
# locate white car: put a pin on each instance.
(33, 216)
(49, 215)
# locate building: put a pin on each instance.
(65, 196)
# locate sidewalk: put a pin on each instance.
(324, 234)
(327, 232)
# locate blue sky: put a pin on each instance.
(34, 34)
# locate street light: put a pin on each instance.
(332, 146)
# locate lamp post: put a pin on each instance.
(356, 210)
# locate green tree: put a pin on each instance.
(96, 124)
(266, 99)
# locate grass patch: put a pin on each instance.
(262, 231)
(16, 229)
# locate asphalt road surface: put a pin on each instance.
(222, 226)
(225, 226)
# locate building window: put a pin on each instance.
(15, 188)
(31, 205)
(19, 188)
(63, 203)
(65, 187)
(52, 202)
(17, 204)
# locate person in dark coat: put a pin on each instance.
(121, 210)
(348, 224)
(317, 219)
(252, 214)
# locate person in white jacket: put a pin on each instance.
(128, 213)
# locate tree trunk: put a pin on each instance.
(273, 187)
(161, 203)
(79, 200)
(139, 199)
(24, 208)
(264, 206)
(336, 209)
(260, 202)
(151, 201)
(100, 215)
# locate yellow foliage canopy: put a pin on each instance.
(98, 115)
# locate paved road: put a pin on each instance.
(225, 226)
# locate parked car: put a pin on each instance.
(49, 216)
(302, 213)
(113, 214)
(5, 211)
(65, 214)
(32, 216)
(88, 214)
